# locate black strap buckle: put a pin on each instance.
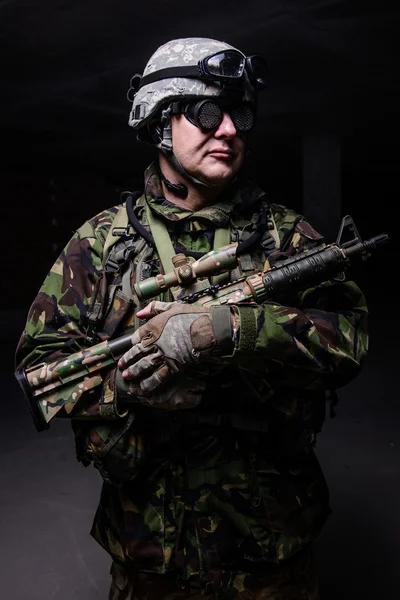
(124, 232)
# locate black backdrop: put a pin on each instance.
(67, 153)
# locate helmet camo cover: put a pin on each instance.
(179, 53)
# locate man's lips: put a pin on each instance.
(222, 153)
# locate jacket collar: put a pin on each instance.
(235, 199)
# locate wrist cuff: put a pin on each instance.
(221, 318)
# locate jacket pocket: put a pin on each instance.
(294, 498)
(115, 450)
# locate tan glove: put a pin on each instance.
(176, 336)
(178, 393)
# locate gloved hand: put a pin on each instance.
(176, 336)
(178, 393)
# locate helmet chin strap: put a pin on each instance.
(179, 189)
(165, 145)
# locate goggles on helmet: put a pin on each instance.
(231, 64)
(226, 65)
(208, 114)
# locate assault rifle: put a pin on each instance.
(49, 387)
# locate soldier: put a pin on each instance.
(204, 432)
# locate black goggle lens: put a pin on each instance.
(231, 64)
(228, 63)
(257, 70)
(208, 115)
(243, 117)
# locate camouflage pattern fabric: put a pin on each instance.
(294, 580)
(183, 495)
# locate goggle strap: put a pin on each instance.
(189, 71)
(176, 108)
(196, 72)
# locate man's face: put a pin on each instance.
(212, 156)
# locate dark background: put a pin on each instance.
(67, 153)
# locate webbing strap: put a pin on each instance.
(162, 240)
(126, 281)
(221, 318)
(222, 237)
(165, 249)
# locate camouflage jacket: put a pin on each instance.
(190, 491)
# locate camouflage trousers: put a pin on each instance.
(295, 580)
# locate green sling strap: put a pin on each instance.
(222, 237)
(165, 249)
(162, 240)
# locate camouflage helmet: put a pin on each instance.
(173, 73)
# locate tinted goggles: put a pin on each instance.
(228, 66)
(208, 114)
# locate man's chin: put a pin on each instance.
(218, 179)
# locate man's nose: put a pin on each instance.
(226, 127)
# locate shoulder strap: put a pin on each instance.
(118, 250)
(162, 240)
(121, 228)
(222, 237)
(165, 249)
